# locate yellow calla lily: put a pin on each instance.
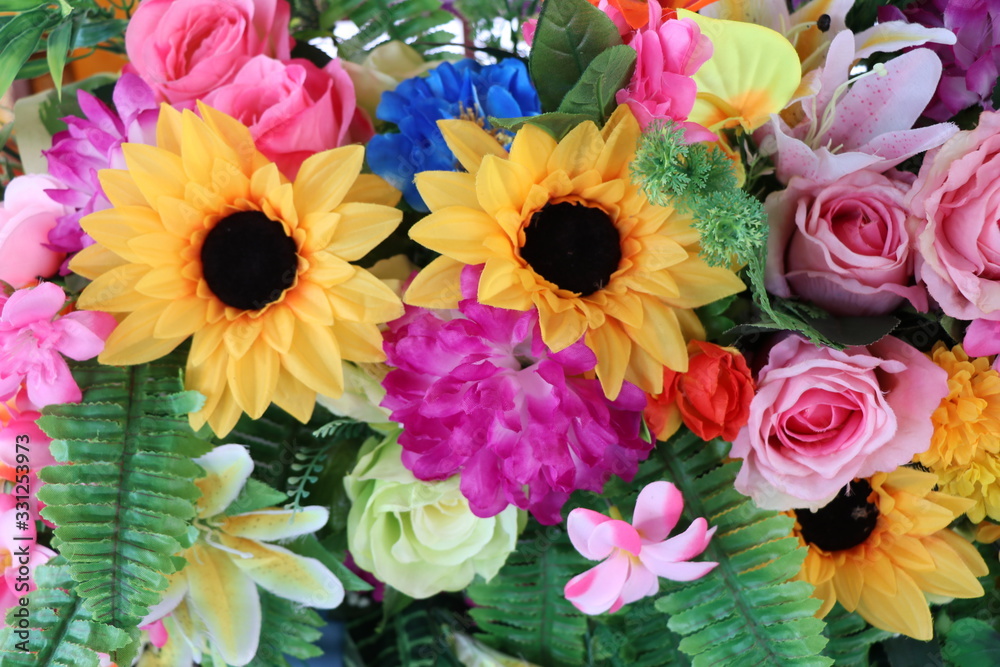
(753, 72)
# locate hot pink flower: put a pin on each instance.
(186, 48)
(293, 109)
(27, 215)
(822, 417)
(635, 554)
(668, 54)
(33, 339)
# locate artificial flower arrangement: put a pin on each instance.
(630, 332)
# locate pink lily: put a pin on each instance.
(864, 126)
(635, 554)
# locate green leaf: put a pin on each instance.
(124, 497)
(94, 32)
(594, 94)
(748, 610)
(24, 5)
(409, 21)
(851, 638)
(635, 636)
(415, 637)
(255, 495)
(556, 123)
(56, 50)
(286, 628)
(569, 35)
(971, 642)
(59, 632)
(19, 37)
(523, 611)
(309, 546)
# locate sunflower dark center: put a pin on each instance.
(845, 522)
(576, 247)
(248, 260)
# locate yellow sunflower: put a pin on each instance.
(207, 238)
(880, 547)
(965, 449)
(560, 226)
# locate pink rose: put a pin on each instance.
(956, 204)
(294, 109)
(822, 417)
(185, 48)
(844, 245)
(667, 56)
(27, 215)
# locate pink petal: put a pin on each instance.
(982, 338)
(656, 510)
(596, 590)
(683, 547)
(62, 388)
(580, 525)
(641, 583)
(612, 535)
(31, 305)
(77, 341)
(685, 571)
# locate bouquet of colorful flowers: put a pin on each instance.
(564, 333)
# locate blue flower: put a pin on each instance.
(464, 89)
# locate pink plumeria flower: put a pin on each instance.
(33, 340)
(635, 554)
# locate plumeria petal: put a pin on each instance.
(656, 511)
(581, 525)
(275, 524)
(612, 535)
(683, 547)
(596, 590)
(228, 468)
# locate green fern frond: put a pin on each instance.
(417, 22)
(747, 611)
(851, 638)
(523, 611)
(286, 628)
(634, 637)
(58, 631)
(416, 637)
(124, 498)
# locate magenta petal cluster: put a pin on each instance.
(635, 555)
(667, 56)
(93, 143)
(478, 393)
(822, 417)
(34, 338)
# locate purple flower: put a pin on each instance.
(972, 64)
(478, 393)
(93, 143)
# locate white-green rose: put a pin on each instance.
(420, 537)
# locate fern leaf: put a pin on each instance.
(379, 20)
(124, 497)
(415, 637)
(58, 631)
(286, 629)
(635, 637)
(851, 638)
(747, 611)
(523, 610)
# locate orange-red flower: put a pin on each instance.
(712, 398)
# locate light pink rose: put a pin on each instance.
(667, 56)
(27, 215)
(844, 246)
(823, 417)
(294, 109)
(185, 48)
(956, 204)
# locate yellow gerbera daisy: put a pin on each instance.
(965, 448)
(206, 237)
(562, 227)
(879, 547)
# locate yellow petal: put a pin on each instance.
(226, 601)
(278, 570)
(94, 260)
(276, 524)
(253, 378)
(372, 189)
(949, 576)
(621, 134)
(459, 233)
(201, 149)
(660, 335)
(314, 359)
(577, 151)
(227, 469)
(182, 317)
(359, 341)
(279, 327)
(155, 171)
(612, 348)
(437, 285)
(234, 133)
(310, 303)
(114, 291)
(502, 185)
(361, 228)
(365, 298)
(119, 188)
(702, 284)
(225, 415)
(469, 142)
(294, 397)
(752, 73)
(115, 227)
(560, 330)
(905, 612)
(532, 147)
(501, 285)
(206, 341)
(325, 178)
(646, 373)
(209, 379)
(447, 188)
(132, 341)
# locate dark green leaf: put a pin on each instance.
(254, 496)
(93, 33)
(570, 34)
(971, 642)
(18, 38)
(57, 48)
(556, 123)
(594, 94)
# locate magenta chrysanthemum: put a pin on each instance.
(93, 143)
(478, 393)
